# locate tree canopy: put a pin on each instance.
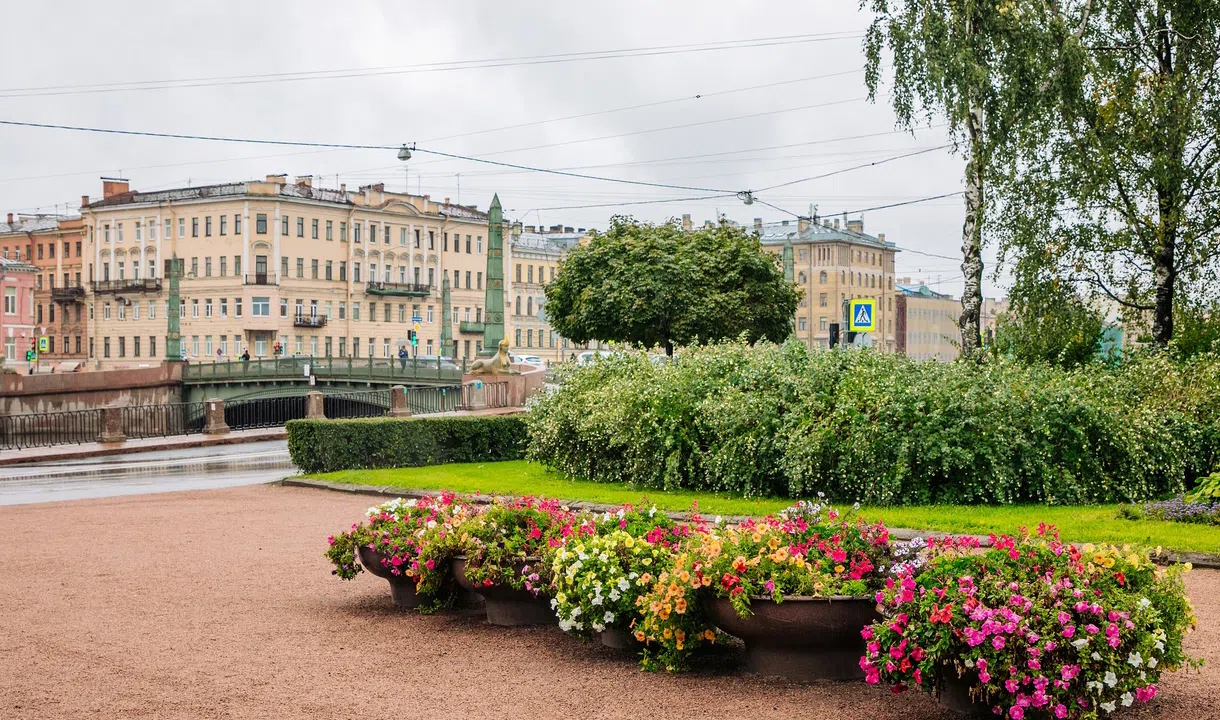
(658, 285)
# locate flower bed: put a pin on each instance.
(1032, 627)
(807, 553)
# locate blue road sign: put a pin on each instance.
(863, 317)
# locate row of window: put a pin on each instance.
(261, 307)
(529, 273)
(851, 279)
(49, 250)
(417, 236)
(11, 347)
(824, 324)
(64, 316)
(529, 339)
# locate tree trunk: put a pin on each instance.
(1164, 275)
(972, 237)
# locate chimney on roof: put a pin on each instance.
(280, 179)
(84, 200)
(836, 223)
(856, 225)
(113, 186)
(305, 180)
(783, 222)
(802, 224)
(881, 237)
(529, 228)
(580, 230)
(10, 218)
(556, 228)
(342, 187)
(446, 201)
(568, 229)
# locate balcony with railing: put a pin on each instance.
(466, 326)
(309, 321)
(68, 293)
(261, 279)
(127, 286)
(374, 287)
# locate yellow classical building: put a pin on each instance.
(533, 260)
(273, 264)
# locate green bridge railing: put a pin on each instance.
(341, 368)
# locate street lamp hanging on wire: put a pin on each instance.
(404, 154)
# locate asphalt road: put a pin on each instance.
(203, 468)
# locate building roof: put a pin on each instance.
(7, 265)
(462, 211)
(775, 233)
(555, 242)
(34, 223)
(223, 190)
(921, 290)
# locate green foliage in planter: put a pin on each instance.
(877, 428)
(328, 445)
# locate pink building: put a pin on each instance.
(17, 315)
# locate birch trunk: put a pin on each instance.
(972, 237)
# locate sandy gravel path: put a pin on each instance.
(219, 604)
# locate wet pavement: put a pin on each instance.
(199, 468)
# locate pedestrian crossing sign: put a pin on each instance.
(863, 316)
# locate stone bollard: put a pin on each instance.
(214, 417)
(315, 408)
(398, 402)
(112, 426)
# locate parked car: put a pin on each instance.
(588, 356)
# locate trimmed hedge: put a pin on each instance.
(318, 446)
(877, 428)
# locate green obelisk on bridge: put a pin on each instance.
(493, 301)
(173, 333)
(446, 319)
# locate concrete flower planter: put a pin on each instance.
(506, 606)
(402, 588)
(618, 639)
(801, 638)
(954, 694)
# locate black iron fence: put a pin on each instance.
(263, 412)
(47, 429)
(371, 403)
(166, 420)
(428, 400)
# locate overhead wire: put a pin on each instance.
(264, 78)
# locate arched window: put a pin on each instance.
(801, 278)
(517, 311)
(529, 306)
(891, 283)
(822, 277)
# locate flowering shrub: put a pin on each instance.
(806, 551)
(598, 579)
(1036, 627)
(1177, 509)
(504, 545)
(399, 530)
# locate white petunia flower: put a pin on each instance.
(597, 599)
(1160, 646)
(623, 584)
(653, 511)
(1127, 699)
(1108, 707)
(1144, 602)
(1095, 656)
(1080, 643)
(615, 595)
(1134, 659)
(1152, 662)
(608, 617)
(1110, 679)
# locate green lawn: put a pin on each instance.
(1091, 523)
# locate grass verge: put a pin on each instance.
(1088, 523)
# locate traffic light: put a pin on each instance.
(834, 334)
(414, 338)
(851, 336)
(30, 356)
(278, 348)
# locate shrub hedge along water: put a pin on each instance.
(328, 445)
(877, 428)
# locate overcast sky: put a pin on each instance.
(91, 46)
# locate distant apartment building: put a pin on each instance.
(533, 260)
(17, 329)
(320, 272)
(927, 321)
(54, 245)
(832, 264)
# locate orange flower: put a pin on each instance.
(681, 636)
(639, 636)
(680, 605)
(739, 564)
(709, 635)
(684, 577)
(707, 580)
(668, 633)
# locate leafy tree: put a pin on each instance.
(980, 65)
(1125, 179)
(1047, 323)
(656, 285)
(1196, 328)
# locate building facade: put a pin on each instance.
(831, 265)
(534, 257)
(54, 245)
(272, 266)
(927, 320)
(17, 329)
